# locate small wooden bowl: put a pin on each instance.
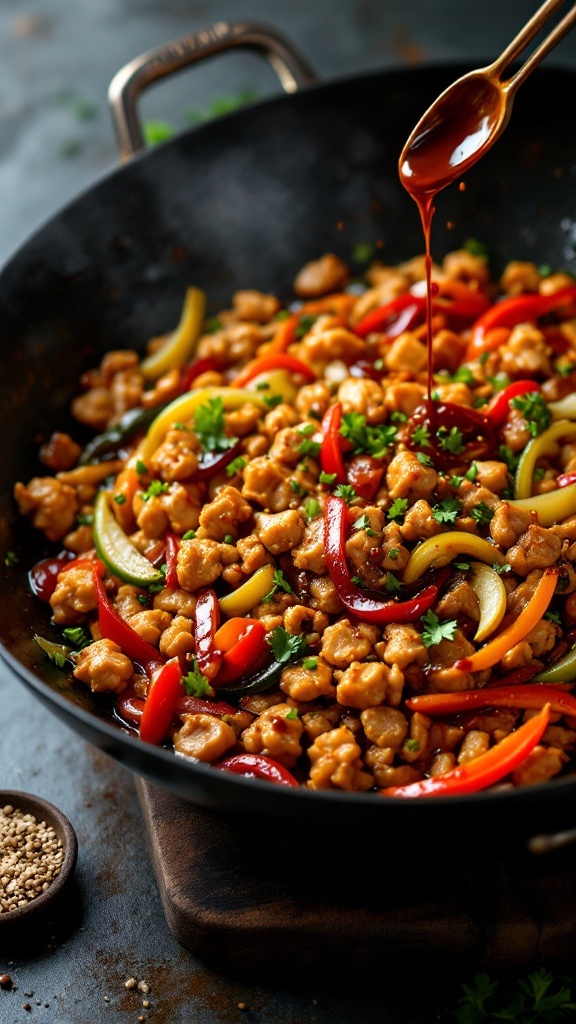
(54, 818)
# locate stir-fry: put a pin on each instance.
(288, 554)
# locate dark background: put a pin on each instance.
(57, 58)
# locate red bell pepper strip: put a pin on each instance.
(521, 695)
(484, 770)
(333, 443)
(160, 706)
(43, 576)
(394, 317)
(257, 766)
(206, 619)
(275, 361)
(498, 409)
(359, 602)
(365, 474)
(171, 556)
(195, 369)
(113, 627)
(517, 310)
(565, 479)
(214, 462)
(129, 707)
(243, 642)
(466, 303)
(197, 706)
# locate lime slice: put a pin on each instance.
(117, 550)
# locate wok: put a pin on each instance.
(243, 202)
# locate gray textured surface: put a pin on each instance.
(56, 60)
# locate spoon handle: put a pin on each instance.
(525, 36)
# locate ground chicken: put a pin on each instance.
(344, 642)
(103, 667)
(336, 762)
(222, 516)
(177, 457)
(542, 763)
(74, 596)
(406, 477)
(281, 531)
(537, 548)
(404, 646)
(204, 737)
(308, 684)
(51, 504)
(386, 727)
(250, 304)
(199, 563)
(310, 553)
(276, 733)
(321, 276)
(267, 484)
(365, 685)
(365, 396)
(406, 355)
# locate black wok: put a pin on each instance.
(244, 202)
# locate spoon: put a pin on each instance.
(470, 115)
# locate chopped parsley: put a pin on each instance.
(539, 997)
(451, 440)
(307, 429)
(366, 439)
(195, 684)
(463, 375)
(310, 663)
(399, 417)
(393, 553)
(447, 510)
(553, 616)
(10, 559)
(327, 478)
(291, 715)
(472, 473)
(85, 519)
(477, 248)
(297, 488)
(397, 508)
(392, 583)
(435, 631)
(305, 323)
(312, 508)
(505, 454)
(534, 410)
(156, 488)
(482, 514)
(229, 539)
(364, 524)
(213, 325)
(278, 583)
(502, 568)
(236, 466)
(120, 499)
(189, 535)
(424, 459)
(77, 637)
(272, 400)
(346, 492)
(412, 746)
(421, 436)
(141, 467)
(564, 369)
(309, 447)
(285, 646)
(463, 566)
(210, 428)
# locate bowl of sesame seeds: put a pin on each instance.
(38, 851)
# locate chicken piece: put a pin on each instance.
(419, 522)
(473, 745)
(279, 418)
(312, 398)
(324, 596)
(509, 523)
(94, 408)
(103, 667)
(365, 396)
(60, 452)
(492, 474)
(404, 397)
(414, 748)
(275, 733)
(177, 639)
(406, 477)
(367, 684)
(460, 599)
(344, 642)
(404, 646)
(177, 457)
(464, 265)
(336, 762)
(150, 623)
(520, 276)
(281, 531)
(324, 345)
(222, 516)
(526, 354)
(537, 548)
(321, 276)
(250, 304)
(308, 684)
(542, 763)
(204, 737)
(52, 505)
(74, 596)
(385, 727)
(199, 563)
(310, 553)
(178, 602)
(267, 484)
(406, 354)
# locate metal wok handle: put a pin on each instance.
(126, 86)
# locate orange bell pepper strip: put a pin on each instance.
(163, 695)
(529, 617)
(522, 695)
(272, 361)
(339, 304)
(284, 336)
(242, 642)
(484, 770)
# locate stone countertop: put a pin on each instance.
(57, 58)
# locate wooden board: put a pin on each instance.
(254, 895)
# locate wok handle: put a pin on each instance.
(126, 86)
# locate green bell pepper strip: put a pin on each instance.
(132, 422)
(539, 447)
(562, 671)
(117, 550)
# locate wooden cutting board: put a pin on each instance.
(247, 895)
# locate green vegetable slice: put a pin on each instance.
(117, 550)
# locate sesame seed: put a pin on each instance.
(31, 856)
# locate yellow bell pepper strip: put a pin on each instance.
(367, 607)
(545, 444)
(529, 617)
(274, 384)
(179, 346)
(257, 766)
(527, 695)
(551, 507)
(437, 551)
(249, 594)
(113, 627)
(117, 550)
(184, 407)
(278, 361)
(562, 671)
(491, 594)
(163, 695)
(483, 771)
